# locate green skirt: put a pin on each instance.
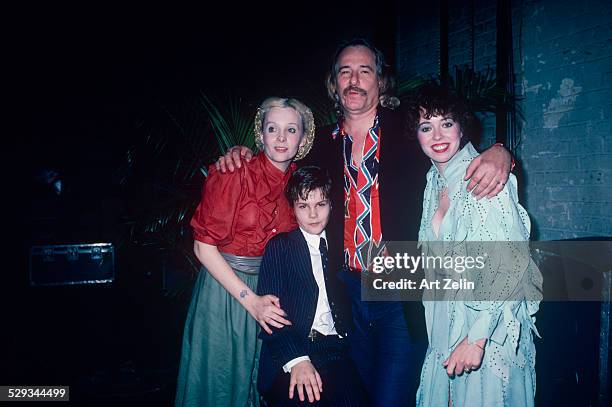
(220, 353)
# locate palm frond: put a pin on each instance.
(231, 126)
(481, 91)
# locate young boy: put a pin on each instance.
(311, 354)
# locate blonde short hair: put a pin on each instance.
(308, 125)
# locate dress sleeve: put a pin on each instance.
(509, 275)
(214, 221)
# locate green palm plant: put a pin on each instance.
(231, 126)
(482, 91)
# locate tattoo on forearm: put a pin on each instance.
(243, 293)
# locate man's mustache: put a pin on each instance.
(354, 89)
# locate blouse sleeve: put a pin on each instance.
(507, 277)
(214, 221)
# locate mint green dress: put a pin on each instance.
(501, 306)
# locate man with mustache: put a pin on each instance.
(383, 174)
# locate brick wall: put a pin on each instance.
(460, 37)
(563, 67)
(460, 33)
(417, 40)
(418, 43)
(564, 75)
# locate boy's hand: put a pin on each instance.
(305, 376)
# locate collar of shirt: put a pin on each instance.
(340, 128)
(271, 172)
(314, 240)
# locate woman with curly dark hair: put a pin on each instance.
(481, 350)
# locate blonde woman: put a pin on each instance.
(238, 214)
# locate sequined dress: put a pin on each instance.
(500, 308)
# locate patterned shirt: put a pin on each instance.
(362, 230)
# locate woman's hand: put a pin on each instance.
(233, 158)
(489, 172)
(266, 310)
(305, 377)
(465, 358)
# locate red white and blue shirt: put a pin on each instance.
(362, 229)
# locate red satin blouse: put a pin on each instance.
(241, 211)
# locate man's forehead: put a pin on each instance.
(356, 52)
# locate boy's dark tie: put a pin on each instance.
(323, 250)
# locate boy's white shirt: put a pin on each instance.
(323, 320)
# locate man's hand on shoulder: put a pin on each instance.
(233, 158)
(306, 378)
(489, 172)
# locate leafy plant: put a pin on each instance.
(232, 126)
(482, 92)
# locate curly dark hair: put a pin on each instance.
(433, 99)
(304, 181)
